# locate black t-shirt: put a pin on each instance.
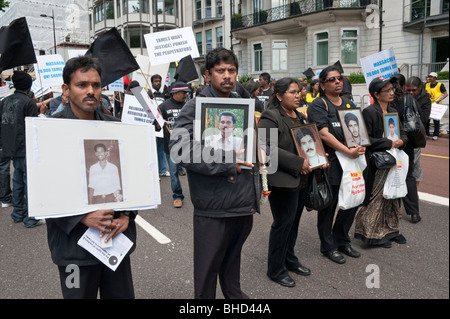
(324, 113)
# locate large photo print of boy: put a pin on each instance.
(309, 145)
(353, 127)
(391, 129)
(226, 125)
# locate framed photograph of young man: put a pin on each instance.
(391, 128)
(353, 127)
(309, 145)
(226, 124)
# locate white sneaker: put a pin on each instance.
(166, 174)
(435, 138)
(4, 205)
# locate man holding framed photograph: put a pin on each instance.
(223, 214)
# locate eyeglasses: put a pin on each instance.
(388, 90)
(412, 90)
(340, 78)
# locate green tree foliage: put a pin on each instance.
(3, 5)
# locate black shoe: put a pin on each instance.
(349, 251)
(415, 218)
(336, 256)
(301, 270)
(386, 245)
(181, 171)
(285, 281)
(400, 239)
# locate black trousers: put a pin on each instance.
(334, 235)
(411, 200)
(286, 206)
(92, 279)
(217, 252)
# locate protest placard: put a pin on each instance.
(170, 46)
(438, 111)
(116, 86)
(49, 70)
(381, 64)
(64, 187)
(149, 105)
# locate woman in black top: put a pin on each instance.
(287, 183)
(334, 238)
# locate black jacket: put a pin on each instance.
(216, 189)
(63, 233)
(169, 111)
(289, 163)
(13, 111)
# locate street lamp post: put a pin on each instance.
(54, 30)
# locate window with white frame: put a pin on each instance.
(257, 57)
(321, 47)
(219, 37)
(349, 46)
(279, 55)
(199, 39)
(209, 41)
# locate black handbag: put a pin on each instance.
(318, 194)
(413, 125)
(382, 160)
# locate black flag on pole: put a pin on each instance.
(16, 47)
(309, 73)
(114, 55)
(186, 70)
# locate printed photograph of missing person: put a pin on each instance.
(309, 145)
(103, 171)
(353, 127)
(391, 130)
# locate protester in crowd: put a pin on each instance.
(57, 104)
(253, 90)
(411, 200)
(334, 238)
(314, 91)
(223, 214)
(170, 110)
(118, 104)
(377, 222)
(82, 84)
(5, 179)
(265, 89)
(415, 87)
(158, 94)
(13, 111)
(303, 93)
(287, 184)
(438, 93)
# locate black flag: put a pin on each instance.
(186, 70)
(114, 55)
(309, 73)
(339, 65)
(16, 47)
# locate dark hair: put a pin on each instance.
(306, 131)
(280, 87)
(324, 74)
(398, 86)
(155, 76)
(100, 145)
(133, 84)
(265, 76)
(415, 81)
(391, 121)
(313, 82)
(228, 113)
(350, 117)
(220, 55)
(252, 87)
(85, 63)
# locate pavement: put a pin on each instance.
(163, 272)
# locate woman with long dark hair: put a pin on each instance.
(287, 184)
(334, 238)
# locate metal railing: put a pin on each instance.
(422, 70)
(291, 10)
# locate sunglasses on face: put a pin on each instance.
(340, 78)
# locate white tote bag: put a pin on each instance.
(352, 190)
(395, 185)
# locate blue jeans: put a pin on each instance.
(5, 179)
(174, 179)
(19, 193)
(162, 166)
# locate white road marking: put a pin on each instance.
(434, 199)
(160, 237)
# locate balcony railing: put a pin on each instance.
(291, 10)
(421, 11)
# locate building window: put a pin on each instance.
(99, 13)
(279, 55)
(219, 37)
(445, 5)
(134, 6)
(219, 10)
(109, 9)
(257, 57)
(208, 8)
(322, 48)
(90, 21)
(349, 46)
(170, 7)
(125, 6)
(208, 40)
(145, 6)
(199, 39)
(198, 9)
(133, 37)
(118, 8)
